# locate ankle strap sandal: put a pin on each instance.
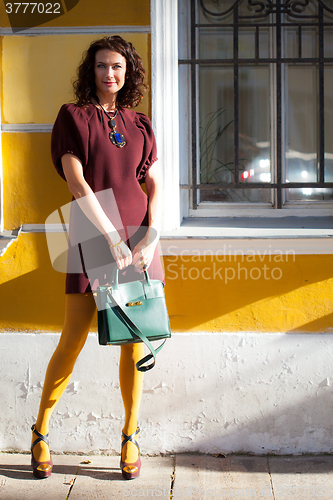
(130, 470)
(41, 470)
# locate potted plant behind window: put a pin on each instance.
(213, 169)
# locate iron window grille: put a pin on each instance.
(259, 15)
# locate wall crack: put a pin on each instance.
(270, 478)
(173, 478)
(72, 482)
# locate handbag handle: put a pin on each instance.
(115, 274)
(132, 326)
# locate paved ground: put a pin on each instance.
(181, 476)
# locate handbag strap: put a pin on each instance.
(115, 274)
(132, 326)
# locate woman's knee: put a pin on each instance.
(71, 346)
(80, 311)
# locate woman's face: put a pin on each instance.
(110, 71)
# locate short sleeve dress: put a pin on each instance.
(114, 175)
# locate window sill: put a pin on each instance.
(306, 235)
(7, 238)
(242, 227)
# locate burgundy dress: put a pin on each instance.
(114, 175)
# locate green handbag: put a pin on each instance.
(133, 312)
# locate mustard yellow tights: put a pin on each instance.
(79, 314)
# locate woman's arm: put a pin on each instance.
(144, 250)
(153, 183)
(90, 206)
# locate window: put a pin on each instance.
(256, 98)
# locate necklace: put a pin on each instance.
(116, 138)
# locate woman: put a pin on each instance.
(101, 146)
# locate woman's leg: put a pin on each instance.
(79, 313)
(131, 381)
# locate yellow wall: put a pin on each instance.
(32, 293)
(38, 71)
(100, 13)
(36, 74)
(32, 187)
(293, 293)
(46, 65)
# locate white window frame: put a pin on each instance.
(167, 96)
(165, 110)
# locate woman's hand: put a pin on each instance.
(122, 255)
(143, 252)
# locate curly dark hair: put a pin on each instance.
(131, 93)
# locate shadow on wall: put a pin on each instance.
(201, 294)
(249, 394)
(319, 325)
(32, 294)
(293, 429)
(256, 295)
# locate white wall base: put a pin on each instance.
(211, 393)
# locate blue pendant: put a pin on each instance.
(117, 139)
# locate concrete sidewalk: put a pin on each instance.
(180, 476)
